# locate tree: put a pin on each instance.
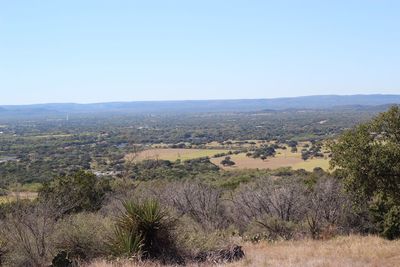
(292, 143)
(305, 155)
(368, 160)
(227, 162)
(81, 191)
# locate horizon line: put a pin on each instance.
(191, 100)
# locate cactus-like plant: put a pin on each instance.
(143, 230)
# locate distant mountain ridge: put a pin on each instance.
(239, 105)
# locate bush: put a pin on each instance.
(3, 250)
(81, 191)
(391, 225)
(27, 235)
(283, 199)
(200, 201)
(386, 216)
(276, 228)
(327, 205)
(83, 236)
(194, 239)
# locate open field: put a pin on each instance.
(283, 158)
(173, 154)
(310, 164)
(244, 162)
(354, 251)
(13, 196)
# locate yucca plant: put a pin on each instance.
(143, 230)
(126, 244)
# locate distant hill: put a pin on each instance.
(241, 105)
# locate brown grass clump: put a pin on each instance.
(354, 251)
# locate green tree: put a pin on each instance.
(81, 191)
(227, 162)
(368, 160)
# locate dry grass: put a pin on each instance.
(244, 162)
(283, 158)
(173, 154)
(354, 251)
(310, 164)
(14, 196)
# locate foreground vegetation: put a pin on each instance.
(342, 251)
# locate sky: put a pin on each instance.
(87, 51)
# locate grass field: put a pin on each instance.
(13, 196)
(173, 154)
(29, 187)
(283, 158)
(310, 164)
(349, 251)
(21, 191)
(244, 162)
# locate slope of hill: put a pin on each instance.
(240, 105)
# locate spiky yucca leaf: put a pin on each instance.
(127, 244)
(147, 216)
(145, 224)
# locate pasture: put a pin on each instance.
(244, 162)
(283, 158)
(173, 154)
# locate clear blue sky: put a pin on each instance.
(94, 51)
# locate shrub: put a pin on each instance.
(144, 230)
(81, 191)
(283, 199)
(27, 233)
(326, 206)
(276, 228)
(200, 201)
(3, 250)
(83, 236)
(386, 216)
(194, 239)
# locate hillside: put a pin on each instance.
(240, 105)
